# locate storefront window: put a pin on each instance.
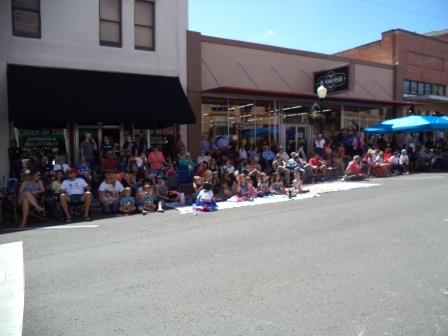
(353, 117)
(231, 122)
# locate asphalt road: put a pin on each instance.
(363, 262)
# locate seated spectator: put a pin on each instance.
(394, 162)
(228, 168)
(297, 184)
(404, 161)
(277, 185)
(205, 201)
(245, 189)
(253, 153)
(44, 167)
(279, 166)
(75, 189)
(140, 163)
(201, 169)
(109, 193)
(56, 183)
(127, 202)
(267, 156)
(213, 179)
(84, 169)
(109, 163)
(353, 171)
(229, 186)
(297, 163)
(197, 186)
(242, 152)
(383, 163)
(164, 195)
(338, 162)
(29, 192)
(252, 170)
(203, 157)
(264, 185)
(61, 165)
(318, 165)
(424, 157)
(146, 200)
(204, 144)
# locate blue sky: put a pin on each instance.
(324, 26)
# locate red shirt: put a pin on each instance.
(109, 165)
(156, 160)
(354, 168)
(315, 161)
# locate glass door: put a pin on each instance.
(296, 139)
(113, 134)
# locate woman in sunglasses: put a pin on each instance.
(29, 192)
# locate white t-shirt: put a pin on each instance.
(74, 187)
(111, 191)
(319, 143)
(64, 167)
(203, 158)
(205, 196)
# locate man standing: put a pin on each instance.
(87, 148)
(75, 189)
(319, 144)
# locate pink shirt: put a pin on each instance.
(156, 160)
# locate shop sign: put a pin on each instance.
(42, 140)
(334, 80)
(159, 140)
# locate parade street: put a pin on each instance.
(369, 261)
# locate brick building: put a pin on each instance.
(421, 66)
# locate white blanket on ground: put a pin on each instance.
(315, 190)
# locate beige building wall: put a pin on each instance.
(262, 68)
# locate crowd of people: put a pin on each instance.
(139, 179)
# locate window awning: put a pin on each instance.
(40, 95)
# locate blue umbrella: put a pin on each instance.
(411, 123)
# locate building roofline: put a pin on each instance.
(283, 50)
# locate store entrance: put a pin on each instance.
(295, 138)
(104, 138)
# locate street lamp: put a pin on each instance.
(321, 93)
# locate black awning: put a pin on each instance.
(40, 95)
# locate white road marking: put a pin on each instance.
(70, 227)
(12, 289)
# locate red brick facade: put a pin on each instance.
(417, 57)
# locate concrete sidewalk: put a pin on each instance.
(11, 289)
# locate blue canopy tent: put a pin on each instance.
(411, 123)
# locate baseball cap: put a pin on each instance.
(71, 171)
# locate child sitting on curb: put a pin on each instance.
(264, 185)
(297, 184)
(146, 200)
(127, 202)
(205, 201)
